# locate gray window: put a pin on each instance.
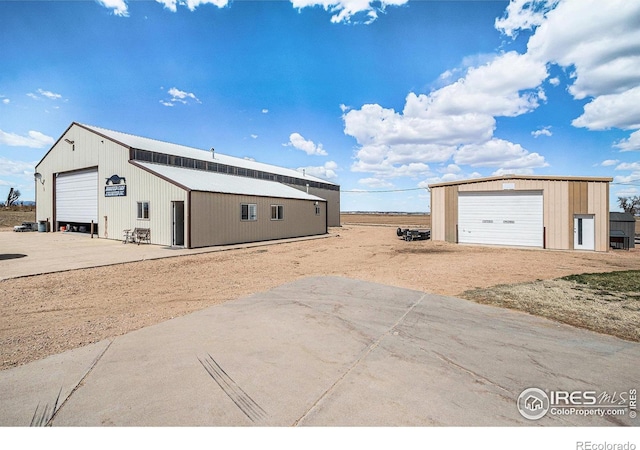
(277, 212)
(248, 212)
(143, 210)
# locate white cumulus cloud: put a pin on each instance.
(178, 96)
(172, 5)
(345, 10)
(499, 153)
(544, 131)
(119, 7)
(308, 146)
(327, 171)
(614, 110)
(630, 144)
(33, 139)
(609, 162)
(44, 93)
(432, 127)
(10, 167)
(524, 15)
(597, 42)
(629, 166)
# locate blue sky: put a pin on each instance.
(375, 96)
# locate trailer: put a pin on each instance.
(413, 235)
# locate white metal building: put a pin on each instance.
(113, 181)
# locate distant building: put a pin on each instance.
(565, 213)
(185, 196)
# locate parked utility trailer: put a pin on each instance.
(413, 235)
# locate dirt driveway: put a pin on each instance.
(48, 314)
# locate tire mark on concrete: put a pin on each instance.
(242, 400)
(39, 420)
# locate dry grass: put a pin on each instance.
(15, 215)
(604, 302)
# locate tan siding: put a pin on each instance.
(216, 220)
(562, 200)
(437, 214)
(333, 204)
(566, 230)
(598, 204)
(451, 213)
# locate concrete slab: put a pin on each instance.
(332, 351)
(31, 394)
(24, 254)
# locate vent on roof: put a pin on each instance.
(213, 153)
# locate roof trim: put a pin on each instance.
(522, 177)
(54, 144)
(84, 127)
(102, 135)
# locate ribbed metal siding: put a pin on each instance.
(216, 219)
(561, 200)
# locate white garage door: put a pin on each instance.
(501, 218)
(77, 197)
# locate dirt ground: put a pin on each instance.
(48, 314)
(15, 215)
(396, 220)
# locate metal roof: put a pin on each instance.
(521, 177)
(621, 217)
(142, 143)
(617, 233)
(198, 180)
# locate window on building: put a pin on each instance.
(317, 210)
(277, 212)
(248, 211)
(143, 210)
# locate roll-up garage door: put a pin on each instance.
(501, 218)
(77, 196)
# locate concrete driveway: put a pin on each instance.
(32, 253)
(324, 351)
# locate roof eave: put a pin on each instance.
(521, 177)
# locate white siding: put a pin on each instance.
(501, 218)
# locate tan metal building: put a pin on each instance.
(113, 181)
(565, 213)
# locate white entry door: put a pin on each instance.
(583, 232)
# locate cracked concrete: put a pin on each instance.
(324, 351)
